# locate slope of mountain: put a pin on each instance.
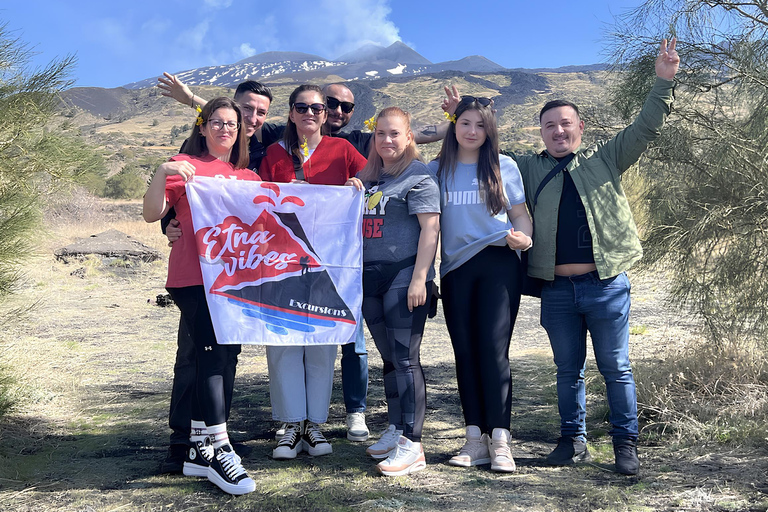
(396, 52)
(369, 62)
(269, 57)
(467, 64)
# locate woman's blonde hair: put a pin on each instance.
(375, 166)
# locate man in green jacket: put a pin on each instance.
(584, 241)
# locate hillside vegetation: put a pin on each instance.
(136, 129)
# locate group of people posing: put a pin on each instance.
(480, 203)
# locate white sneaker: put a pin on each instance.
(501, 455)
(227, 472)
(475, 449)
(289, 445)
(357, 430)
(386, 443)
(406, 458)
(314, 441)
(280, 432)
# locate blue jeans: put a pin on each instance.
(571, 306)
(354, 373)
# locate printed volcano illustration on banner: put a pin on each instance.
(280, 262)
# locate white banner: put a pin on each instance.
(281, 262)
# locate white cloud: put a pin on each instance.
(155, 27)
(246, 50)
(192, 38)
(330, 28)
(217, 4)
(351, 23)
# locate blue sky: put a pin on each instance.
(121, 42)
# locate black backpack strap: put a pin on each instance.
(298, 168)
(562, 164)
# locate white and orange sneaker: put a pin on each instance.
(386, 443)
(406, 458)
(475, 449)
(501, 455)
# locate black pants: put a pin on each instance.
(397, 333)
(480, 301)
(204, 372)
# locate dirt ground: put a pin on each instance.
(93, 355)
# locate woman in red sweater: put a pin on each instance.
(301, 377)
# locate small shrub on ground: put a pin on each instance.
(126, 184)
(705, 393)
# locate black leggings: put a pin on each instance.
(215, 364)
(397, 333)
(480, 301)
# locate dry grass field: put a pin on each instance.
(92, 357)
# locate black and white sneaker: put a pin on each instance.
(198, 458)
(289, 445)
(314, 441)
(228, 474)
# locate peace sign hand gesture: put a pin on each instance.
(668, 61)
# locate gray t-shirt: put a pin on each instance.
(466, 225)
(391, 229)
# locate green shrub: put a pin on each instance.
(126, 184)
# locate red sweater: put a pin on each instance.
(333, 162)
(184, 264)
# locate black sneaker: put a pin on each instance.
(314, 441)
(228, 474)
(174, 460)
(569, 450)
(625, 451)
(290, 443)
(199, 457)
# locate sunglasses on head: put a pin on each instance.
(483, 102)
(301, 108)
(333, 103)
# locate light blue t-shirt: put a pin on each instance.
(466, 225)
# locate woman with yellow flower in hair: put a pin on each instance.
(484, 221)
(217, 148)
(400, 230)
(301, 377)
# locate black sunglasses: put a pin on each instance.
(301, 108)
(333, 103)
(483, 102)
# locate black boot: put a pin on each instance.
(569, 450)
(625, 451)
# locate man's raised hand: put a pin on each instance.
(668, 61)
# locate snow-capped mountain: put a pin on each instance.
(365, 63)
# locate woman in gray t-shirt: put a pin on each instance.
(484, 220)
(400, 229)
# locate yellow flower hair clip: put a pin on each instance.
(451, 118)
(370, 123)
(199, 119)
(305, 147)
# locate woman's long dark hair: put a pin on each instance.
(488, 167)
(291, 136)
(195, 145)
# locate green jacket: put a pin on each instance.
(596, 171)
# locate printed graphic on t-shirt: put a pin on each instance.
(464, 197)
(583, 237)
(373, 216)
